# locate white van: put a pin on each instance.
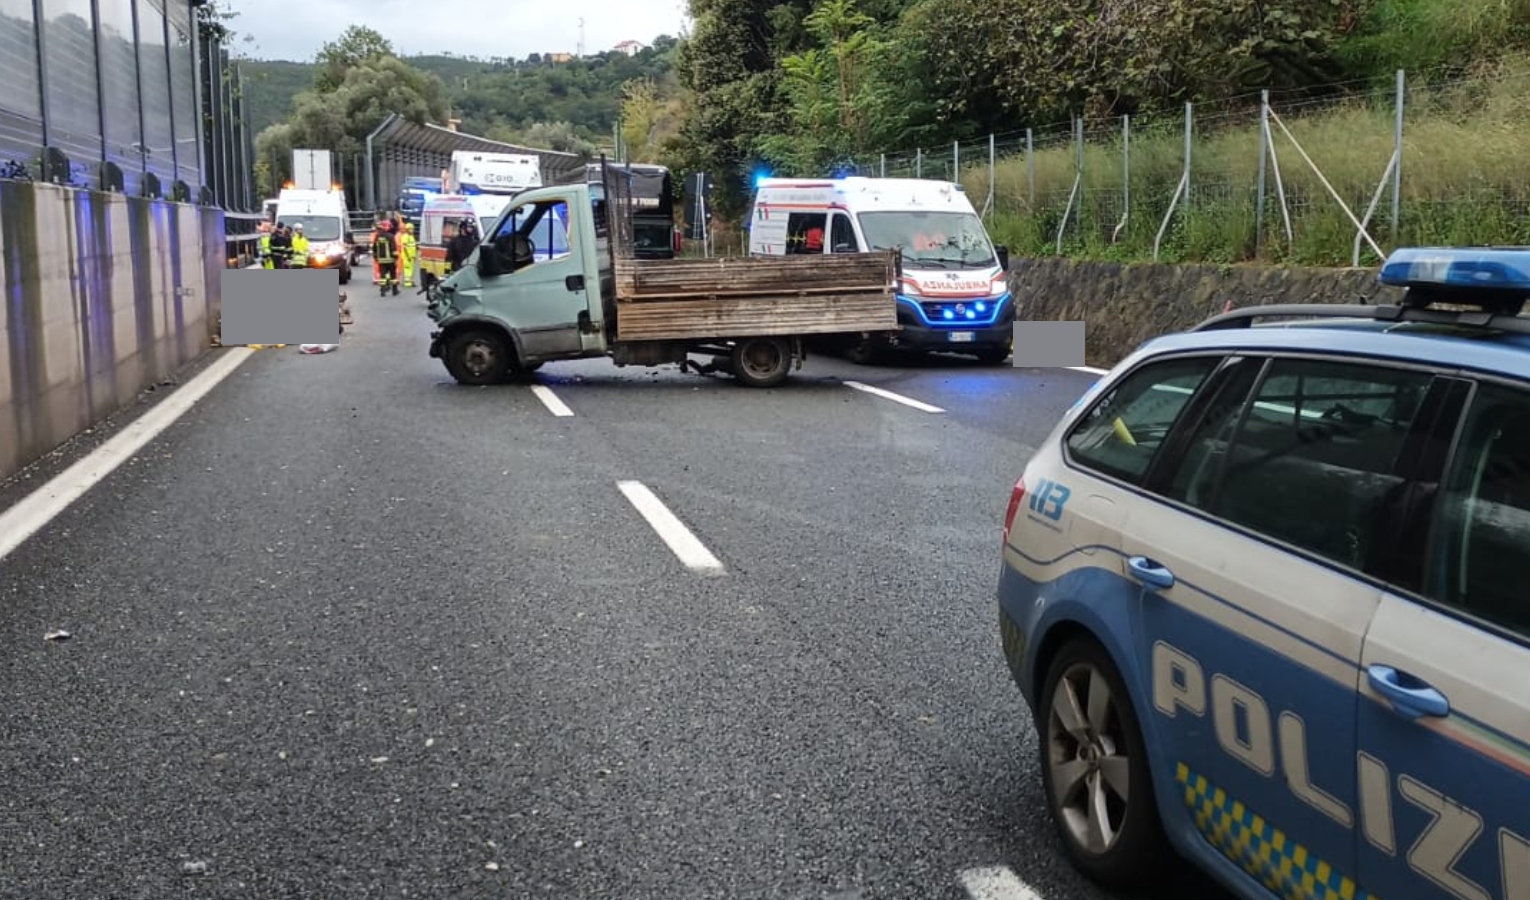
(326, 223)
(955, 293)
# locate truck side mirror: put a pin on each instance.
(1003, 254)
(490, 263)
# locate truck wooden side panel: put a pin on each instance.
(697, 299)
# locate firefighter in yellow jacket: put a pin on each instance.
(407, 250)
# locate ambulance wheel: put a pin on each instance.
(762, 361)
(993, 356)
(478, 356)
(1095, 772)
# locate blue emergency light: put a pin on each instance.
(1496, 269)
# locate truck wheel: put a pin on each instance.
(762, 362)
(863, 351)
(477, 357)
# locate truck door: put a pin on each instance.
(544, 291)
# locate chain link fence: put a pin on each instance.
(1332, 182)
(127, 96)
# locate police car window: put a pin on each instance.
(1481, 552)
(1312, 460)
(1124, 429)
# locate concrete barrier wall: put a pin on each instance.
(105, 295)
(1123, 305)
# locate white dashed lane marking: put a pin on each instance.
(896, 398)
(685, 545)
(550, 400)
(996, 883)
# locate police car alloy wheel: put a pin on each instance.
(1095, 771)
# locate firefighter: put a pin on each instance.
(266, 260)
(407, 248)
(463, 244)
(372, 242)
(299, 247)
(385, 254)
(281, 245)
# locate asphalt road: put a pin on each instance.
(349, 630)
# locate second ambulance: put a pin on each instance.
(954, 294)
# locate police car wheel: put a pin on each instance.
(1095, 771)
(478, 357)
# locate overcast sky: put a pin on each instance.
(296, 29)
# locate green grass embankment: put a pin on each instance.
(1465, 180)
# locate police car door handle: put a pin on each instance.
(1150, 573)
(1410, 697)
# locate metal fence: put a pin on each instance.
(1325, 182)
(122, 95)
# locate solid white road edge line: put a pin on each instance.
(896, 398)
(1090, 369)
(996, 883)
(550, 400)
(39, 508)
(670, 529)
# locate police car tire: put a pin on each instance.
(1142, 854)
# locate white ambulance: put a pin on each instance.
(954, 295)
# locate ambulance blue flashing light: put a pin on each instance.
(1482, 268)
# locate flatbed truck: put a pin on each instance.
(557, 278)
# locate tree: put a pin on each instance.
(339, 120)
(356, 46)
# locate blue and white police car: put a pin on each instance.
(1267, 592)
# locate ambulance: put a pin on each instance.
(954, 292)
(326, 223)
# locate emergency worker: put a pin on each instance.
(266, 260)
(407, 248)
(299, 247)
(281, 246)
(463, 244)
(385, 254)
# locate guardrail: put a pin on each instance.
(241, 237)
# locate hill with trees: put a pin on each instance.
(811, 87)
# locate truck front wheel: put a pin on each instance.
(478, 356)
(762, 361)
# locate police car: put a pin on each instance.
(1266, 590)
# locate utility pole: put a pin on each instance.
(580, 51)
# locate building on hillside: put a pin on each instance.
(124, 95)
(631, 48)
(559, 57)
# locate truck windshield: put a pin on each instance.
(931, 240)
(317, 228)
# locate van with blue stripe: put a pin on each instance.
(1266, 591)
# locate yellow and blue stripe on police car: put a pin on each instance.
(1284, 866)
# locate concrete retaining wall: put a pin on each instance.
(1123, 305)
(105, 295)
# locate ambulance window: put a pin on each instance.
(842, 238)
(804, 232)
